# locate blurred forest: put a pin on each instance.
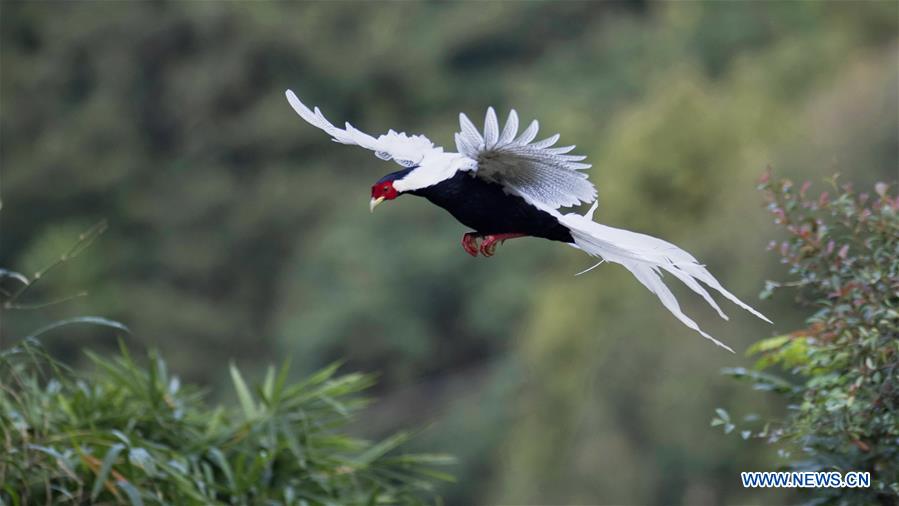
(238, 231)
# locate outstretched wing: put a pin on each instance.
(544, 176)
(406, 150)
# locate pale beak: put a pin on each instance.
(374, 203)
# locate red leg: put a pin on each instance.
(470, 243)
(488, 247)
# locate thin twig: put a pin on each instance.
(84, 240)
(42, 305)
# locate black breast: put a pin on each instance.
(486, 208)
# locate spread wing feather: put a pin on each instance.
(406, 150)
(545, 176)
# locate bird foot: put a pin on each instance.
(488, 247)
(470, 243)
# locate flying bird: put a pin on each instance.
(504, 185)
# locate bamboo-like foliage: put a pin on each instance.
(132, 433)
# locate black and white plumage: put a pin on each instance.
(504, 185)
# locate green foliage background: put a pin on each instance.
(237, 231)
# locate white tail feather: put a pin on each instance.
(645, 257)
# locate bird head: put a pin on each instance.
(384, 189)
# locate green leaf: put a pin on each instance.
(768, 344)
(103, 474)
(280, 381)
(243, 393)
(132, 493)
(4, 273)
(89, 320)
(268, 385)
(378, 450)
(141, 458)
(762, 380)
(8, 488)
(218, 458)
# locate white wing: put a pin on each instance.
(406, 150)
(544, 176)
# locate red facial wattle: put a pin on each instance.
(381, 192)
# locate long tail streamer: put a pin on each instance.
(646, 257)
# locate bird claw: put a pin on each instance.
(488, 247)
(470, 243)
